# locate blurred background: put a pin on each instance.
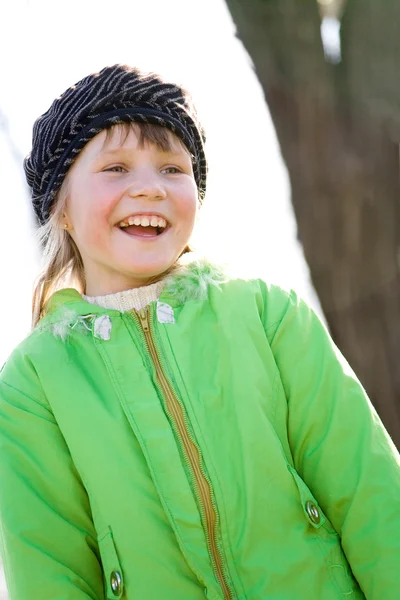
(301, 104)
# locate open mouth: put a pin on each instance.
(144, 226)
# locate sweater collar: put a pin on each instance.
(135, 298)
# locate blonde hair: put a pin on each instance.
(63, 266)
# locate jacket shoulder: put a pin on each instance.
(19, 371)
(271, 299)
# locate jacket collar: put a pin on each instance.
(189, 282)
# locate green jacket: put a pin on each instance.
(214, 446)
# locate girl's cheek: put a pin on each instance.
(190, 207)
(97, 239)
(103, 200)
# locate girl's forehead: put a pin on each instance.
(130, 135)
(129, 138)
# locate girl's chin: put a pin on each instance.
(148, 270)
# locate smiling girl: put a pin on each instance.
(167, 432)
(131, 207)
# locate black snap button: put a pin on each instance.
(313, 512)
(116, 582)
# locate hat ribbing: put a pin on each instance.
(116, 94)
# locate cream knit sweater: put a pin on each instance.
(136, 298)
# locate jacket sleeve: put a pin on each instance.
(340, 447)
(48, 540)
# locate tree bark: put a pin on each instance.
(338, 128)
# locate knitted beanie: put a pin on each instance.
(116, 94)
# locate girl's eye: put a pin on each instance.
(116, 169)
(172, 169)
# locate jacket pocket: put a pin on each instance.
(113, 578)
(327, 538)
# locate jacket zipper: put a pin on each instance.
(191, 453)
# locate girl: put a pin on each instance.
(167, 432)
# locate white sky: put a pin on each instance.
(247, 218)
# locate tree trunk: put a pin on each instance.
(338, 129)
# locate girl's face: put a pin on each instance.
(111, 185)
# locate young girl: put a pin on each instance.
(168, 433)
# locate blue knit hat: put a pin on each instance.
(117, 94)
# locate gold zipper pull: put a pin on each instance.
(144, 319)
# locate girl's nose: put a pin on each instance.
(146, 185)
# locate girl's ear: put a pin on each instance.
(65, 223)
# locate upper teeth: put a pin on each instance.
(144, 221)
